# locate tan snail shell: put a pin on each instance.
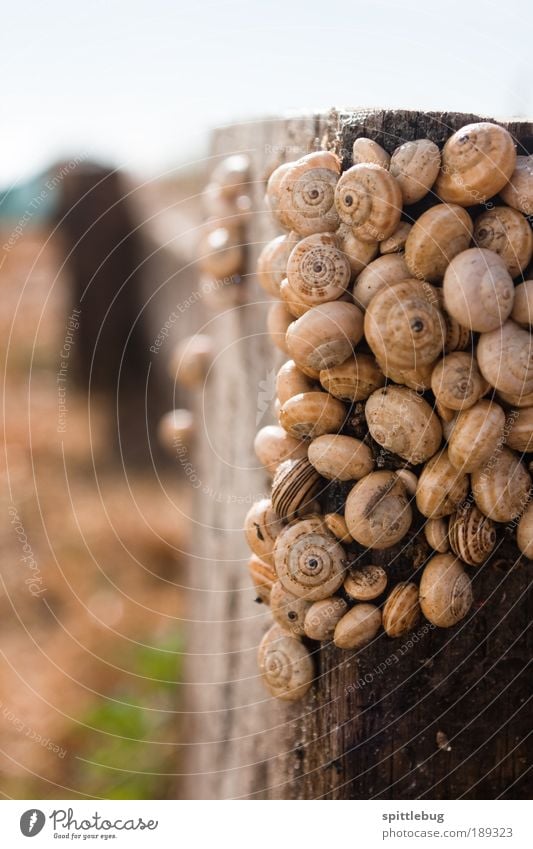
(291, 381)
(261, 528)
(293, 302)
(409, 480)
(367, 150)
(337, 525)
(306, 194)
(338, 457)
(322, 617)
(326, 335)
(501, 490)
(521, 400)
(220, 253)
(522, 311)
(365, 583)
(477, 162)
(370, 201)
(312, 414)
(472, 535)
(441, 487)
(478, 290)
(377, 511)
(309, 561)
(317, 270)
(285, 664)
(272, 196)
(396, 242)
(519, 430)
(404, 423)
(357, 252)
(518, 192)
(402, 610)
(263, 577)
(524, 532)
(436, 238)
(382, 272)
(505, 358)
(272, 262)
(176, 430)
(295, 485)
(404, 327)
(436, 533)
(445, 591)
(476, 435)
(458, 338)
(191, 360)
(506, 232)
(418, 379)
(273, 445)
(358, 627)
(416, 165)
(288, 610)
(457, 382)
(354, 379)
(278, 321)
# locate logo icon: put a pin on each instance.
(32, 822)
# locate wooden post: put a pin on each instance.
(369, 726)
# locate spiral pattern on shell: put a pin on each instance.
(317, 270)
(285, 665)
(307, 194)
(472, 535)
(309, 563)
(369, 199)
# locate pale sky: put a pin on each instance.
(140, 83)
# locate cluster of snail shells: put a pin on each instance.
(418, 324)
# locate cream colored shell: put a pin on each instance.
(306, 194)
(441, 487)
(382, 272)
(476, 435)
(279, 320)
(506, 232)
(377, 511)
(436, 237)
(357, 252)
(285, 665)
(263, 577)
(358, 627)
(288, 610)
(402, 610)
(367, 150)
(273, 445)
(522, 311)
(436, 533)
(291, 381)
(369, 200)
(261, 528)
(518, 192)
(309, 561)
(404, 423)
(457, 382)
(501, 489)
(365, 583)
(336, 523)
(478, 290)
(418, 379)
(396, 242)
(505, 358)
(338, 457)
(354, 379)
(409, 480)
(415, 164)
(322, 617)
(272, 262)
(293, 302)
(445, 591)
(312, 414)
(326, 335)
(317, 270)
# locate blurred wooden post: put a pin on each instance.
(369, 726)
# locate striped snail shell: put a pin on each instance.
(505, 358)
(436, 237)
(272, 262)
(377, 511)
(441, 487)
(436, 533)
(519, 429)
(295, 485)
(382, 272)
(354, 379)
(310, 562)
(396, 242)
(456, 381)
(263, 577)
(518, 192)
(358, 627)
(288, 610)
(478, 290)
(477, 162)
(472, 535)
(317, 270)
(476, 435)
(307, 192)
(402, 610)
(501, 490)
(415, 164)
(404, 423)
(285, 664)
(445, 591)
(524, 532)
(367, 150)
(357, 252)
(261, 527)
(369, 200)
(365, 583)
(312, 414)
(322, 617)
(506, 232)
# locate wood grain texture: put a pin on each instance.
(368, 728)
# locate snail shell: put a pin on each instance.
(272, 262)
(312, 414)
(273, 445)
(476, 435)
(415, 165)
(290, 381)
(477, 161)
(409, 480)
(501, 490)
(436, 533)
(220, 253)
(322, 617)
(358, 627)
(366, 150)
(357, 252)
(478, 290)
(261, 528)
(522, 311)
(338, 457)
(441, 487)
(402, 610)
(365, 583)
(524, 532)
(309, 561)
(293, 302)
(384, 271)
(295, 485)
(518, 192)
(436, 238)
(288, 610)
(519, 430)
(445, 591)
(370, 201)
(337, 525)
(176, 430)
(278, 321)
(404, 423)
(326, 335)
(307, 192)
(191, 360)
(404, 327)
(456, 381)
(317, 270)
(285, 665)
(418, 379)
(263, 577)
(506, 232)
(354, 379)
(377, 511)
(272, 196)
(458, 338)
(505, 358)
(519, 399)
(472, 535)
(396, 242)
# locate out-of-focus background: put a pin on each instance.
(107, 110)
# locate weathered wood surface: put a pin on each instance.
(368, 727)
